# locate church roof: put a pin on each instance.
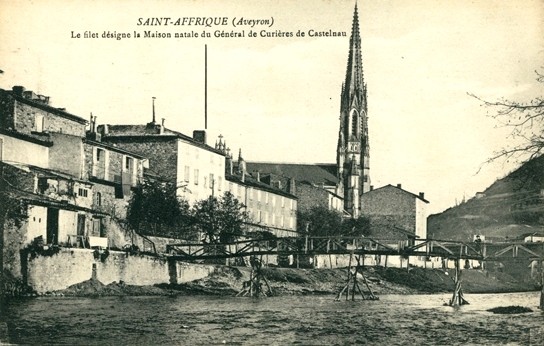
(317, 173)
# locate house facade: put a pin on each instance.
(196, 168)
(392, 207)
(49, 164)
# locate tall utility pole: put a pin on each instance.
(205, 87)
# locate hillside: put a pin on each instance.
(510, 207)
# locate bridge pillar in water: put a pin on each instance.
(353, 284)
(457, 299)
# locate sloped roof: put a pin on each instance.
(130, 132)
(399, 188)
(312, 173)
(249, 181)
(57, 111)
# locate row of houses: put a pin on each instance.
(76, 178)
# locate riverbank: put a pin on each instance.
(228, 280)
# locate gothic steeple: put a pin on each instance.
(353, 148)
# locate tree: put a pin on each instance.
(319, 222)
(323, 222)
(356, 227)
(526, 121)
(155, 204)
(221, 219)
(13, 209)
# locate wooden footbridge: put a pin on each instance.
(358, 248)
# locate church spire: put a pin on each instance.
(354, 83)
(353, 148)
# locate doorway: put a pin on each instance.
(52, 226)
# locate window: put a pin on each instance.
(260, 217)
(282, 202)
(259, 195)
(282, 221)
(186, 178)
(82, 192)
(128, 163)
(219, 183)
(99, 155)
(196, 176)
(212, 181)
(98, 199)
(273, 200)
(38, 123)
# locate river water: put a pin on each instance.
(306, 320)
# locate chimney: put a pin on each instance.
(371, 187)
(161, 130)
(258, 176)
(18, 90)
(422, 195)
(92, 134)
(93, 123)
(292, 187)
(199, 136)
(399, 186)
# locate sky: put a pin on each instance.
(278, 98)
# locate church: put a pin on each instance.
(335, 186)
(345, 186)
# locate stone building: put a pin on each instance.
(197, 169)
(270, 208)
(313, 185)
(50, 163)
(396, 210)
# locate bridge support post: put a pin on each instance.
(253, 287)
(352, 281)
(457, 299)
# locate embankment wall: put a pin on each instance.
(72, 266)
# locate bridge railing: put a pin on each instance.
(346, 245)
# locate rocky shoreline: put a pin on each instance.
(228, 281)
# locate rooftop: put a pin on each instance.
(249, 181)
(317, 173)
(150, 131)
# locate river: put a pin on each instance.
(301, 320)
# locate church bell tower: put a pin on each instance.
(353, 151)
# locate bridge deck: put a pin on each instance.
(358, 246)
